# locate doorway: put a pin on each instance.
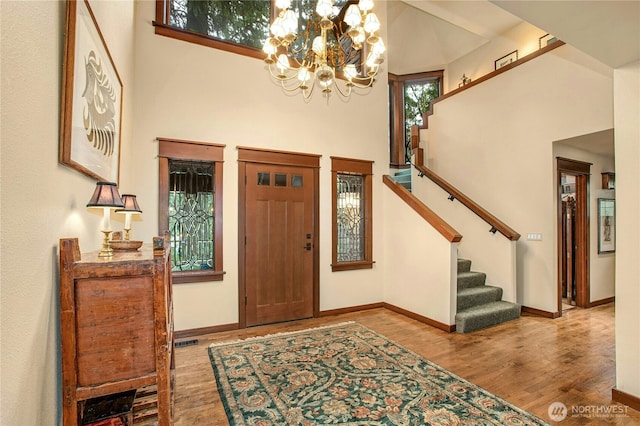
(278, 245)
(573, 234)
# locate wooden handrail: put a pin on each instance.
(425, 212)
(496, 224)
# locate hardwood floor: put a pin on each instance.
(531, 362)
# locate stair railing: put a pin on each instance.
(425, 212)
(455, 194)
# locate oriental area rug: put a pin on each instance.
(347, 374)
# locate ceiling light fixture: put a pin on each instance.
(336, 47)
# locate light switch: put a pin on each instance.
(534, 237)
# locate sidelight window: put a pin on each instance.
(190, 209)
(351, 205)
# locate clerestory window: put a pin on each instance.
(190, 208)
(239, 26)
(352, 211)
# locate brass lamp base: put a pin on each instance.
(106, 251)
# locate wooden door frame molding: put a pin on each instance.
(582, 171)
(278, 158)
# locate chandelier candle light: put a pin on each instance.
(333, 42)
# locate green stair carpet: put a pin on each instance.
(480, 305)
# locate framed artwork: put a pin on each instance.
(546, 40)
(506, 59)
(606, 225)
(91, 99)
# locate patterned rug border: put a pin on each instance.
(283, 333)
(481, 389)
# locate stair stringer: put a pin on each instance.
(492, 253)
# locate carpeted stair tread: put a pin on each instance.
(464, 265)
(403, 177)
(486, 315)
(480, 295)
(471, 279)
(403, 172)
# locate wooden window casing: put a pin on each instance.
(364, 169)
(397, 134)
(175, 149)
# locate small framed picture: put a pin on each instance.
(546, 40)
(606, 225)
(506, 59)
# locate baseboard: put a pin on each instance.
(205, 330)
(350, 309)
(540, 312)
(602, 302)
(437, 324)
(629, 400)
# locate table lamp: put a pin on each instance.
(106, 197)
(130, 208)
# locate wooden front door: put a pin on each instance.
(279, 243)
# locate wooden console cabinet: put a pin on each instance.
(116, 325)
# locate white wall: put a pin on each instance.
(626, 88)
(491, 253)
(191, 92)
(601, 266)
(494, 143)
(523, 37)
(420, 275)
(41, 200)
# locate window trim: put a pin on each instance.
(397, 140)
(357, 167)
(177, 149)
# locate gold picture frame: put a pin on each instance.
(91, 115)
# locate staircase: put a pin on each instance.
(403, 177)
(480, 305)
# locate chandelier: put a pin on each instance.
(336, 48)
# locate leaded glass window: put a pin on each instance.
(192, 215)
(350, 217)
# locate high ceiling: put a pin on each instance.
(448, 30)
(607, 30)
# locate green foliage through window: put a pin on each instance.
(245, 22)
(418, 95)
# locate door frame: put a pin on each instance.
(277, 158)
(582, 171)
